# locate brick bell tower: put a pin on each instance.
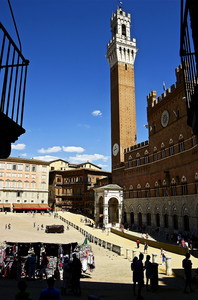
(121, 52)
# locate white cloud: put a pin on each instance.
(73, 149)
(63, 148)
(24, 155)
(96, 113)
(46, 157)
(87, 157)
(102, 166)
(18, 147)
(50, 150)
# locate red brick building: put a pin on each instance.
(160, 176)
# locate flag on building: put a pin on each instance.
(164, 86)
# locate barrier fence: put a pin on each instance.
(93, 239)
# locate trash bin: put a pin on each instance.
(154, 277)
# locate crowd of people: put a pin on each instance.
(151, 274)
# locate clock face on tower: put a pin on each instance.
(165, 118)
(115, 149)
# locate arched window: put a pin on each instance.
(175, 222)
(157, 220)
(123, 29)
(132, 218)
(140, 219)
(184, 187)
(148, 219)
(186, 222)
(166, 221)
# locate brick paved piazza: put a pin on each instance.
(111, 277)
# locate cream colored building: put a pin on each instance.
(63, 165)
(23, 184)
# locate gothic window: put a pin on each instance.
(156, 191)
(175, 222)
(146, 159)
(173, 190)
(130, 163)
(147, 192)
(155, 157)
(130, 193)
(148, 219)
(181, 146)
(166, 221)
(139, 193)
(184, 188)
(163, 153)
(140, 219)
(165, 191)
(171, 150)
(123, 30)
(137, 161)
(157, 220)
(132, 218)
(186, 222)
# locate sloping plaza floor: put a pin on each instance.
(111, 278)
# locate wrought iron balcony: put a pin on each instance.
(13, 74)
(189, 59)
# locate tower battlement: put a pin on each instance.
(120, 13)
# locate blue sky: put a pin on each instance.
(67, 108)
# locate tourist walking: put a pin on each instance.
(163, 256)
(145, 248)
(138, 243)
(187, 265)
(134, 269)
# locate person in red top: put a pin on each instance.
(138, 243)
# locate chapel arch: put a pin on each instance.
(113, 211)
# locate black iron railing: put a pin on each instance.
(13, 74)
(189, 58)
(13, 68)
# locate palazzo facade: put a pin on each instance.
(159, 177)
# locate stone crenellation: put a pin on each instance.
(152, 98)
(139, 145)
